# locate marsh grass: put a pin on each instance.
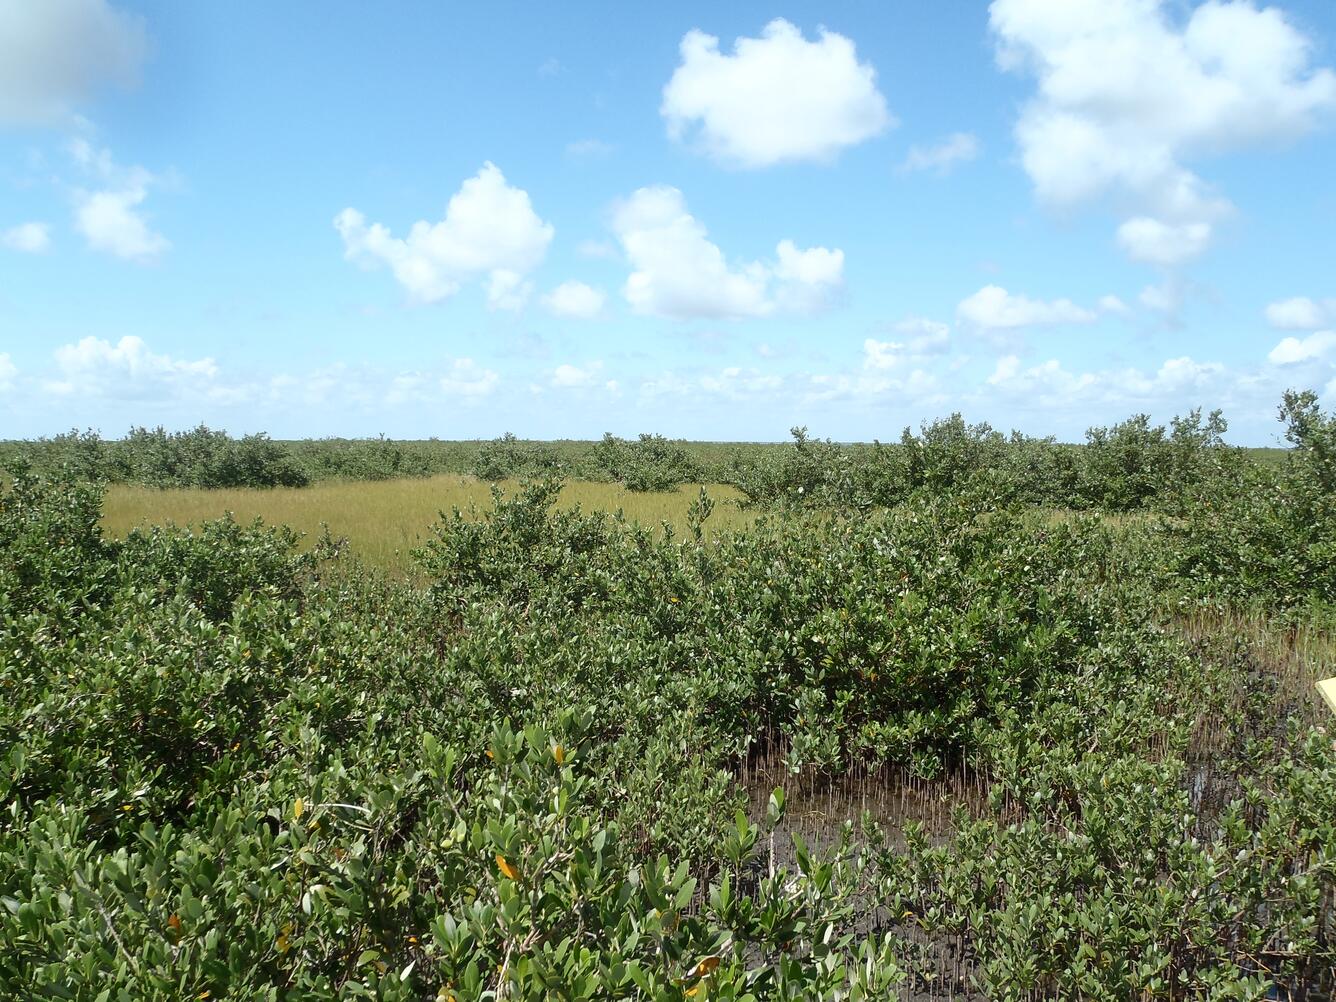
(384, 521)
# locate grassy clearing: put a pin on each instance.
(384, 520)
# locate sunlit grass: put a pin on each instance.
(383, 521)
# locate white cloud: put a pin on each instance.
(1051, 384)
(994, 308)
(589, 148)
(1180, 373)
(737, 383)
(1155, 242)
(600, 250)
(881, 354)
(1128, 91)
(1048, 378)
(407, 387)
(30, 238)
(924, 338)
(1112, 304)
(732, 383)
(507, 290)
(806, 279)
(569, 376)
(1292, 350)
(110, 219)
(778, 98)
(466, 378)
(575, 299)
(126, 369)
(55, 53)
(489, 227)
(1301, 313)
(1166, 298)
(8, 372)
(679, 273)
(941, 158)
(918, 386)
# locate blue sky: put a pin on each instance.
(709, 221)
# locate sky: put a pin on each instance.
(711, 221)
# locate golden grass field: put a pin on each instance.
(384, 520)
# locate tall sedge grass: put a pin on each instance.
(384, 520)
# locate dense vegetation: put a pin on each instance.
(1089, 748)
(1127, 467)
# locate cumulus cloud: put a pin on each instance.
(737, 383)
(922, 338)
(567, 376)
(365, 388)
(489, 227)
(466, 378)
(778, 98)
(111, 222)
(8, 372)
(881, 354)
(1155, 242)
(1301, 313)
(678, 272)
(733, 383)
(993, 308)
(30, 238)
(942, 157)
(109, 217)
(507, 290)
(1047, 378)
(54, 54)
(1112, 304)
(917, 385)
(806, 279)
(576, 300)
(126, 369)
(1293, 350)
(1183, 372)
(1051, 384)
(925, 337)
(1128, 93)
(1166, 298)
(463, 381)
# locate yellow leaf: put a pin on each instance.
(559, 753)
(174, 923)
(707, 965)
(691, 992)
(506, 868)
(490, 753)
(298, 807)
